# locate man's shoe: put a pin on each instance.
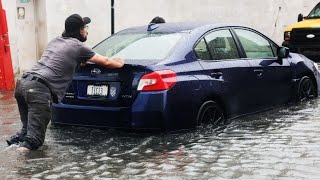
(8, 142)
(13, 140)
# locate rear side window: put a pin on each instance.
(139, 46)
(221, 45)
(254, 45)
(217, 45)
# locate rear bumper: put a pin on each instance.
(146, 113)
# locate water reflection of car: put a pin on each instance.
(181, 75)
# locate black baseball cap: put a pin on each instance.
(75, 22)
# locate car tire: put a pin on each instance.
(210, 113)
(306, 90)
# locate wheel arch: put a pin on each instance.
(314, 80)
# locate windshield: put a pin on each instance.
(315, 13)
(139, 46)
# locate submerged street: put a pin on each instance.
(282, 143)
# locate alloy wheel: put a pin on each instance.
(210, 113)
(306, 89)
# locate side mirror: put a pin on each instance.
(283, 52)
(300, 17)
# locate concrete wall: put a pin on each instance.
(10, 7)
(26, 36)
(270, 17)
(41, 29)
(44, 19)
(97, 10)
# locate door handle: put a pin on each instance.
(259, 72)
(216, 74)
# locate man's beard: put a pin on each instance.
(83, 39)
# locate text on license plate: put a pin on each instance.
(97, 90)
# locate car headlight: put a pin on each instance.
(287, 36)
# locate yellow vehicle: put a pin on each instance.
(304, 36)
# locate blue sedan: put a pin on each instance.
(183, 75)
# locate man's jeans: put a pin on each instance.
(34, 102)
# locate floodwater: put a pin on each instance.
(283, 143)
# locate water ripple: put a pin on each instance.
(282, 143)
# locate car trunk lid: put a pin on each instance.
(94, 85)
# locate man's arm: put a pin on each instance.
(107, 62)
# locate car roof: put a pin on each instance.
(178, 27)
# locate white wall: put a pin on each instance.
(41, 29)
(45, 18)
(10, 7)
(97, 10)
(268, 16)
(22, 34)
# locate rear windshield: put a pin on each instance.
(139, 46)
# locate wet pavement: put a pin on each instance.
(283, 143)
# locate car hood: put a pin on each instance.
(308, 23)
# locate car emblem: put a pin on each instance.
(310, 36)
(95, 71)
(113, 91)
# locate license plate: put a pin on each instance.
(97, 90)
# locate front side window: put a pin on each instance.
(139, 46)
(217, 45)
(254, 45)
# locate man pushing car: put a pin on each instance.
(49, 78)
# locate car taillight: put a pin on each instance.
(158, 80)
